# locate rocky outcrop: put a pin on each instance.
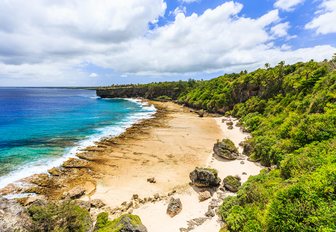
(232, 183)
(124, 223)
(13, 217)
(174, 207)
(226, 149)
(75, 163)
(204, 177)
(75, 193)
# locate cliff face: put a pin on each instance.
(137, 91)
(122, 92)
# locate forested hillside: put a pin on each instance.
(290, 111)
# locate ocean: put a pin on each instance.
(41, 127)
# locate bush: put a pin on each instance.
(118, 224)
(60, 217)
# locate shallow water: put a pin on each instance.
(41, 127)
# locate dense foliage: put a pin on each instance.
(291, 112)
(60, 217)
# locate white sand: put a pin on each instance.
(153, 215)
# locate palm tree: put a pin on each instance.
(267, 66)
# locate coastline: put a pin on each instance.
(167, 147)
(17, 179)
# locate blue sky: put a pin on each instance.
(99, 42)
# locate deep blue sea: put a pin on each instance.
(41, 127)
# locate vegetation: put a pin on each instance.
(232, 183)
(105, 225)
(290, 111)
(60, 217)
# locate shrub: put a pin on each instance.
(60, 217)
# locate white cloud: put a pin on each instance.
(324, 21)
(49, 43)
(179, 10)
(280, 30)
(189, 1)
(93, 75)
(287, 5)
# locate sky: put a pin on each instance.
(104, 42)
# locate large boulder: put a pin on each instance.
(174, 207)
(226, 149)
(124, 223)
(204, 177)
(13, 217)
(232, 183)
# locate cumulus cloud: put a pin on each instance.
(324, 21)
(51, 40)
(287, 5)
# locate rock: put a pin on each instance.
(83, 204)
(200, 113)
(242, 162)
(55, 171)
(171, 193)
(13, 217)
(31, 200)
(10, 189)
(232, 183)
(230, 127)
(151, 180)
(74, 193)
(156, 196)
(130, 223)
(223, 120)
(204, 177)
(196, 222)
(135, 197)
(226, 149)
(214, 203)
(96, 203)
(42, 180)
(247, 148)
(229, 123)
(210, 213)
(86, 156)
(124, 223)
(174, 207)
(75, 163)
(244, 173)
(205, 195)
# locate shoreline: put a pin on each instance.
(166, 147)
(17, 179)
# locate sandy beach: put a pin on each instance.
(168, 150)
(192, 217)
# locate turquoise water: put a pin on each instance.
(41, 127)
